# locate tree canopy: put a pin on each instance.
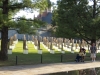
(8, 8)
(78, 19)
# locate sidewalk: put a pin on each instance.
(46, 68)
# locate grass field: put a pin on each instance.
(33, 57)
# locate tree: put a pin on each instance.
(78, 19)
(9, 7)
(28, 26)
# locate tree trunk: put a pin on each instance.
(4, 43)
(4, 32)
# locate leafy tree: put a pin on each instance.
(28, 26)
(78, 19)
(7, 9)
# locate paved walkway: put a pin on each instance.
(46, 68)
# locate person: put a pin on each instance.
(84, 54)
(80, 55)
(93, 51)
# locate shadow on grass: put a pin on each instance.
(35, 58)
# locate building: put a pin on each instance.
(46, 16)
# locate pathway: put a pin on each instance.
(46, 68)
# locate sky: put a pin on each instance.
(29, 15)
(53, 1)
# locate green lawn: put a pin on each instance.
(34, 58)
